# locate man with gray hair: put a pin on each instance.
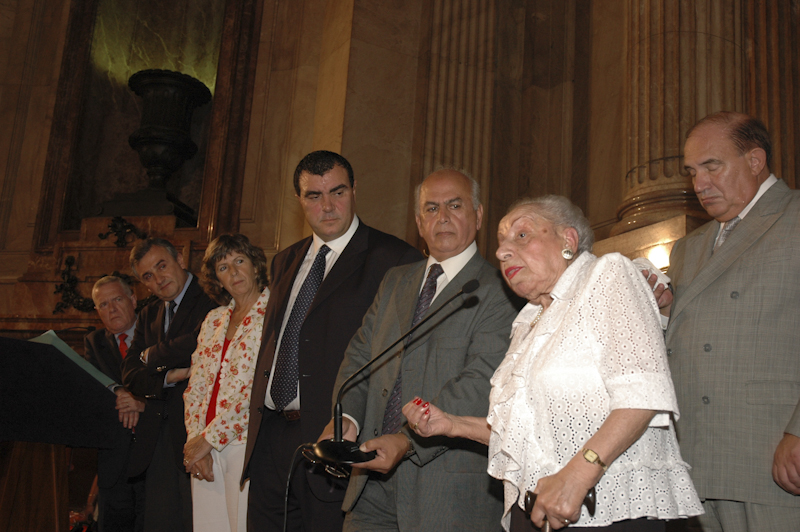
(157, 368)
(418, 483)
(120, 501)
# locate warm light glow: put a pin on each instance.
(659, 256)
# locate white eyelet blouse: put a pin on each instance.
(599, 346)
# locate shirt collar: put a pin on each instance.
(178, 299)
(771, 180)
(129, 332)
(454, 265)
(337, 245)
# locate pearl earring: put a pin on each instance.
(567, 253)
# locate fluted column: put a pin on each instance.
(773, 66)
(685, 61)
(459, 99)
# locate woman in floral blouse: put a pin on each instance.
(217, 400)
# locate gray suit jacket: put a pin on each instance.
(733, 344)
(449, 362)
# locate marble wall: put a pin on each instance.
(129, 36)
(529, 96)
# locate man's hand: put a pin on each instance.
(662, 294)
(391, 448)
(348, 431)
(129, 408)
(786, 464)
(177, 375)
(203, 469)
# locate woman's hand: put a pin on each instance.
(427, 420)
(203, 469)
(560, 496)
(194, 450)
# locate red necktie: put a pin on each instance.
(123, 347)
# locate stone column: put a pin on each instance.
(772, 31)
(685, 60)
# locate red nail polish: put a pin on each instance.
(427, 412)
(425, 405)
(417, 401)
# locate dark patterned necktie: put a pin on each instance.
(284, 382)
(730, 225)
(393, 415)
(123, 347)
(170, 313)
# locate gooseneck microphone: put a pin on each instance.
(338, 450)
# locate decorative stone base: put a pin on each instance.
(653, 242)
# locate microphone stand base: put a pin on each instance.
(341, 452)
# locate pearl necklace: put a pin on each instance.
(538, 316)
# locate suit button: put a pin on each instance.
(669, 352)
(706, 400)
(260, 409)
(385, 392)
(734, 295)
(375, 432)
(707, 348)
(266, 374)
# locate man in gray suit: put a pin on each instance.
(733, 339)
(438, 483)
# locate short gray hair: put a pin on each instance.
(108, 279)
(560, 212)
(476, 188)
(143, 247)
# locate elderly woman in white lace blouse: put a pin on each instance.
(584, 395)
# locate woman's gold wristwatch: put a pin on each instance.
(592, 457)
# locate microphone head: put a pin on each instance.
(470, 286)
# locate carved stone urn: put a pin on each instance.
(163, 143)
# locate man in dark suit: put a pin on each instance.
(414, 483)
(157, 368)
(348, 259)
(120, 501)
(733, 340)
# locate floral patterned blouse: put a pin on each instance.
(235, 374)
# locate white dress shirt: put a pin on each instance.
(337, 247)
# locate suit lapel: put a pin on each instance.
(185, 308)
(161, 316)
(112, 345)
(468, 272)
(767, 210)
(408, 288)
(346, 265)
(280, 292)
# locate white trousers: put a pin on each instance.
(221, 506)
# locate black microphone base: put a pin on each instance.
(341, 452)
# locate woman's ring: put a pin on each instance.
(185, 461)
(415, 425)
(566, 521)
(197, 475)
